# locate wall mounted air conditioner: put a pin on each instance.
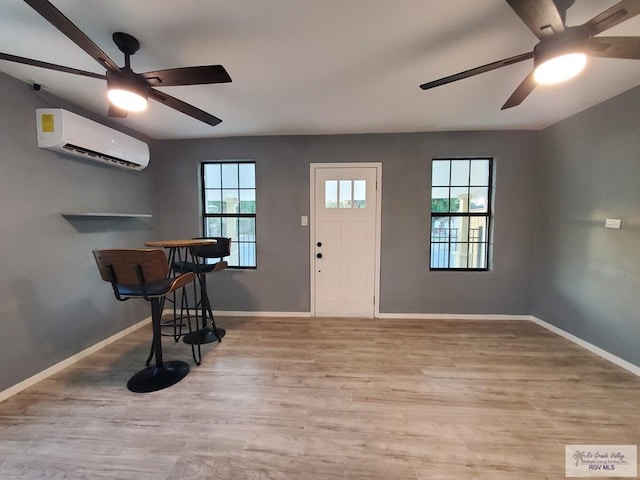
(63, 131)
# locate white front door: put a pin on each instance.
(344, 243)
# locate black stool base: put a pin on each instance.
(205, 335)
(152, 379)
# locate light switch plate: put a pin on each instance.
(304, 220)
(613, 223)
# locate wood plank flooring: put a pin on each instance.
(284, 398)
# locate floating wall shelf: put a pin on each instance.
(107, 215)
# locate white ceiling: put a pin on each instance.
(316, 66)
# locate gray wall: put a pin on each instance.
(587, 278)
(281, 282)
(52, 301)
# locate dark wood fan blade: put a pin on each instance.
(522, 92)
(50, 66)
(611, 17)
(183, 107)
(117, 112)
(478, 70)
(615, 47)
(541, 16)
(56, 18)
(187, 76)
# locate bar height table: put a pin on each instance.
(178, 249)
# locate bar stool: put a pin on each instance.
(208, 332)
(142, 273)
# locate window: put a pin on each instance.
(460, 213)
(229, 208)
(345, 194)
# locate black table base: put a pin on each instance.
(156, 378)
(205, 335)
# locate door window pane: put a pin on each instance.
(345, 194)
(359, 193)
(331, 194)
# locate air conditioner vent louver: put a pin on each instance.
(85, 152)
(62, 131)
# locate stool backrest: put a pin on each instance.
(219, 250)
(124, 263)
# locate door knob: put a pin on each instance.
(319, 244)
(318, 255)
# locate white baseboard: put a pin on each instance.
(233, 313)
(452, 316)
(9, 392)
(419, 316)
(589, 346)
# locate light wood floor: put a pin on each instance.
(327, 399)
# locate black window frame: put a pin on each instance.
(488, 215)
(205, 215)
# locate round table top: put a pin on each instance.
(191, 242)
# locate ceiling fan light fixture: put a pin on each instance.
(125, 92)
(128, 100)
(560, 68)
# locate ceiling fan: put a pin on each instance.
(562, 50)
(127, 91)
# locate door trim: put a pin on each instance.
(312, 229)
